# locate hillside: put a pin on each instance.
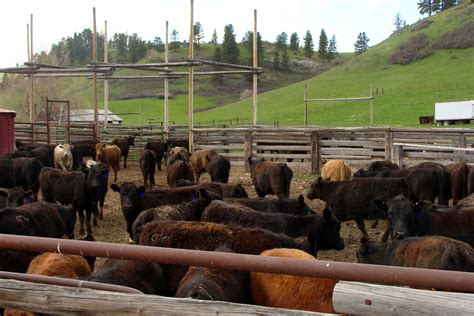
(410, 90)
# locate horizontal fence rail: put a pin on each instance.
(415, 277)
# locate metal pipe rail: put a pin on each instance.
(415, 277)
(434, 147)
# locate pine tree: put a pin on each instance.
(308, 44)
(198, 34)
(332, 48)
(214, 38)
(136, 48)
(174, 40)
(230, 49)
(120, 43)
(362, 43)
(399, 22)
(294, 42)
(281, 41)
(247, 41)
(323, 45)
(426, 7)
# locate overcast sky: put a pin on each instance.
(55, 19)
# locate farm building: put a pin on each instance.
(87, 116)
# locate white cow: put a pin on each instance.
(63, 157)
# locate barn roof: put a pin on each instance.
(87, 115)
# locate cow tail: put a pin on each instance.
(285, 184)
(465, 175)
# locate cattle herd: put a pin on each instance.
(422, 231)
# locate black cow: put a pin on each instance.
(147, 166)
(290, 206)
(27, 171)
(270, 178)
(135, 199)
(350, 200)
(143, 276)
(444, 182)
(7, 178)
(159, 148)
(406, 219)
(14, 197)
(35, 219)
(325, 229)
(181, 142)
(80, 187)
(103, 188)
(86, 148)
(124, 144)
(229, 190)
(429, 252)
(219, 168)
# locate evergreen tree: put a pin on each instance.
(281, 41)
(323, 45)
(294, 42)
(158, 44)
(174, 45)
(332, 48)
(308, 44)
(214, 38)
(426, 7)
(247, 41)
(230, 49)
(399, 22)
(136, 48)
(285, 60)
(362, 43)
(276, 59)
(198, 34)
(120, 43)
(217, 57)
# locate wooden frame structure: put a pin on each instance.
(104, 71)
(370, 98)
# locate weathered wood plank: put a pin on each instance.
(373, 299)
(54, 299)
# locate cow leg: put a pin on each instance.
(152, 179)
(115, 173)
(125, 160)
(386, 234)
(158, 162)
(81, 221)
(361, 226)
(197, 175)
(88, 221)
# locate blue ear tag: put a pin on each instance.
(29, 199)
(194, 197)
(141, 195)
(105, 175)
(420, 214)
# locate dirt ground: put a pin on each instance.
(113, 229)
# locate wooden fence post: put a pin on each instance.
(388, 144)
(248, 144)
(397, 155)
(315, 153)
(461, 143)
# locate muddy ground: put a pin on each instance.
(113, 229)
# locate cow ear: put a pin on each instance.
(319, 180)
(327, 215)
(379, 205)
(141, 189)
(420, 205)
(115, 187)
(28, 196)
(301, 200)
(194, 195)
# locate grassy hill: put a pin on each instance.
(409, 90)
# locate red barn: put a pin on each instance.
(7, 131)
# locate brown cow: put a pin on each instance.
(429, 252)
(270, 178)
(109, 156)
(200, 161)
(458, 175)
(209, 236)
(215, 284)
(178, 168)
(336, 170)
(291, 291)
(180, 150)
(229, 190)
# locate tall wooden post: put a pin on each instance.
(255, 77)
(371, 106)
(31, 78)
(191, 78)
(106, 81)
(94, 77)
(165, 110)
(248, 148)
(316, 161)
(305, 105)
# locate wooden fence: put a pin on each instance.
(302, 147)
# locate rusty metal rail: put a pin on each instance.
(415, 277)
(67, 282)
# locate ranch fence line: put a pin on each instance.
(367, 298)
(303, 147)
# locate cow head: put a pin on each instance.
(401, 215)
(328, 235)
(94, 176)
(306, 210)
(130, 196)
(366, 251)
(16, 196)
(315, 191)
(131, 140)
